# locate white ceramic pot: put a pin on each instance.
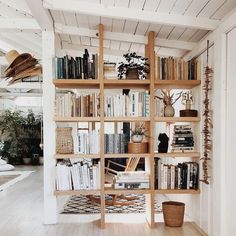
(137, 138)
(27, 160)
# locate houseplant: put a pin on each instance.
(135, 65)
(138, 133)
(169, 101)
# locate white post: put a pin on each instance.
(50, 203)
(219, 137)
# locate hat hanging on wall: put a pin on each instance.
(21, 66)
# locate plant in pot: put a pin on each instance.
(135, 67)
(12, 133)
(138, 133)
(169, 101)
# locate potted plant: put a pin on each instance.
(169, 101)
(136, 67)
(138, 133)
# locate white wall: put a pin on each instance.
(230, 160)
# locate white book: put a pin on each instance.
(165, 177)
(94, 168)
(172, 174)
(162, 176)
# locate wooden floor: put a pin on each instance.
(21, 211)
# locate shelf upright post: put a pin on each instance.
(102, 155)
(149, 53)
(50, 201)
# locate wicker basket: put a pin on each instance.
(173, 213)
(64, 141)
(137, 148)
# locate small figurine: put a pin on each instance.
(163, 145)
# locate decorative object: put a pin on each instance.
(136, 67)
(207, 121)
(164, 142)
(27, 160)
(136, 148)
(187, 100)
(64, 141)
(169, 101)
(173, 213)
(138, 133)
(21, 66)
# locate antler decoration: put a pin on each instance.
(167, 98)
(207, 123)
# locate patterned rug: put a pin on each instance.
(82, 205)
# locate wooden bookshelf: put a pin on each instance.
(126, 155)
(177, 119)
(177, 154)
(177, 191)
(149, 84)
(115, 83)
(126, 191)
(76, 119)
(76, 192)
(68, 156)
(126, 119)
(176, 84)
(76, 83)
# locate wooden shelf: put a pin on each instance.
(177, 119)
(126, 191)
(177, 154)
(177, 191)
(76, 119)
(64, 156)
(126, 83)
(126, 119)
(176, 84)
(126, 155)
(76, 192)
(76, 83)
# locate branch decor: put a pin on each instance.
(207, 122)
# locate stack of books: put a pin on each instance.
(132, 180)
(88, 143)
(182, 139)
(109, 69)
(133, 104)
(77, 176)
(85, 67)
(72, 105)
(182, 176)
(115, 143)
(177, 69)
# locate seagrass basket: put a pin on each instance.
(173, 213)
(136, 148)
(64, 141)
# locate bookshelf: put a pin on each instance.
(149, 84)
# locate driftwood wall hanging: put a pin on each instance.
(207, 121)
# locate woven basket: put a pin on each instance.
(173, 213)
(136, 148)
(64, 141)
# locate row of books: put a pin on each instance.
(89, 143)
(133, 104)
(77, 176)
(85, 67)
(115, 143)
(182, 176)
(176, 69)
(72, 105)
(182, 138)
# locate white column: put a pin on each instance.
(217, 217)
(50, 203)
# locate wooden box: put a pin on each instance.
(137, 148)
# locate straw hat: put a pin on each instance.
(13, 57)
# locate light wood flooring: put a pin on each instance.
(21, 213)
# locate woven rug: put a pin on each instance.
(8, 178)
(82, 205)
